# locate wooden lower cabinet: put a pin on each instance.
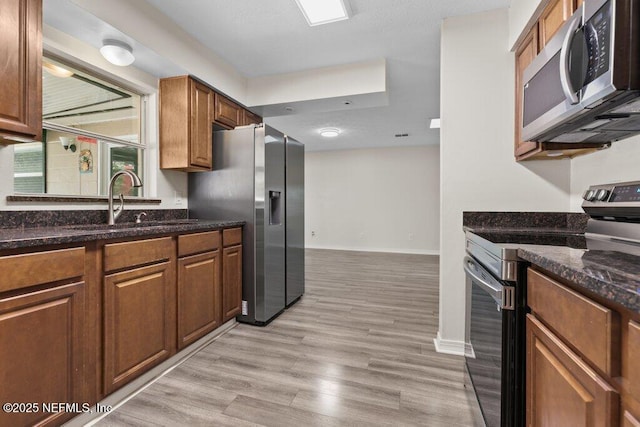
(232, 282)
(41, 353)
(199, 295)
(628, 420)
(563, 390)
(139, 321)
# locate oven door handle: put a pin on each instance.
(503, 295)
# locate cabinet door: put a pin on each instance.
(248, 118)
(628, 420)
(552, 18)
(231, 282)
(41, 350)
(199, 296)
(562, 390)
(21, 53)
(227, 112)
(139, 322)
(200, 152)
(524, 55)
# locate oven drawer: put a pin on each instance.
(593, 330)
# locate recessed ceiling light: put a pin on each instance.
(318, 12)
(117, 52)
(435, 123)
(56, 70)
(329, 132)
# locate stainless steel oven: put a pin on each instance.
(496, 292)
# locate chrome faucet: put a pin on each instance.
(115, 213)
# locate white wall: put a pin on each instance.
(521, 13)
(478, 170)
(383, 199)
(618, 163)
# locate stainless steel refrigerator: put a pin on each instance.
(258, 177)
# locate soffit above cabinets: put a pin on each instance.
(260, 39)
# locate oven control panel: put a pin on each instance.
(617, 200)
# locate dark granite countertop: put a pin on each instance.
(14, 238)
(565, 252)
(612, 275)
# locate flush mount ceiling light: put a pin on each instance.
(329, 132)
(56, 70)
(435, 123)
(318, 12)
(117, 52)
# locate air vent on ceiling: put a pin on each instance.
(401, 135)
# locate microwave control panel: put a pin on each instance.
(597, 34)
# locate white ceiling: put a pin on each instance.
(267, 37)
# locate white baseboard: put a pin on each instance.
(368, 249)
(459, 348)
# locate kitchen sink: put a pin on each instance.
(128, 225)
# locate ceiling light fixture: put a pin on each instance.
(329, 132)
(435, 123)
(318, 12)
(56, 70)
(117, 52)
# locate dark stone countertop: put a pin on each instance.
(27, 237)
(614, 276)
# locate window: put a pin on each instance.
(91, 129)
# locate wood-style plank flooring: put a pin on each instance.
(357, 350)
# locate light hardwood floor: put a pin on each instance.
(356, 350)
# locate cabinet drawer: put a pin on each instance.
(131, 254)
(189, 244)
(21, 271)
(592, 329)
(232, 236)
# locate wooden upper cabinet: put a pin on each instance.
(186, 116)
(227, 113)
(552, 18)
(524, 55)
(249, 118)
(21, 58)
(201, 126)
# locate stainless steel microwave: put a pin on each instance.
(584, 86)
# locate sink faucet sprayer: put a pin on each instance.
(115, 213)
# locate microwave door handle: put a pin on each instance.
(569, 92)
